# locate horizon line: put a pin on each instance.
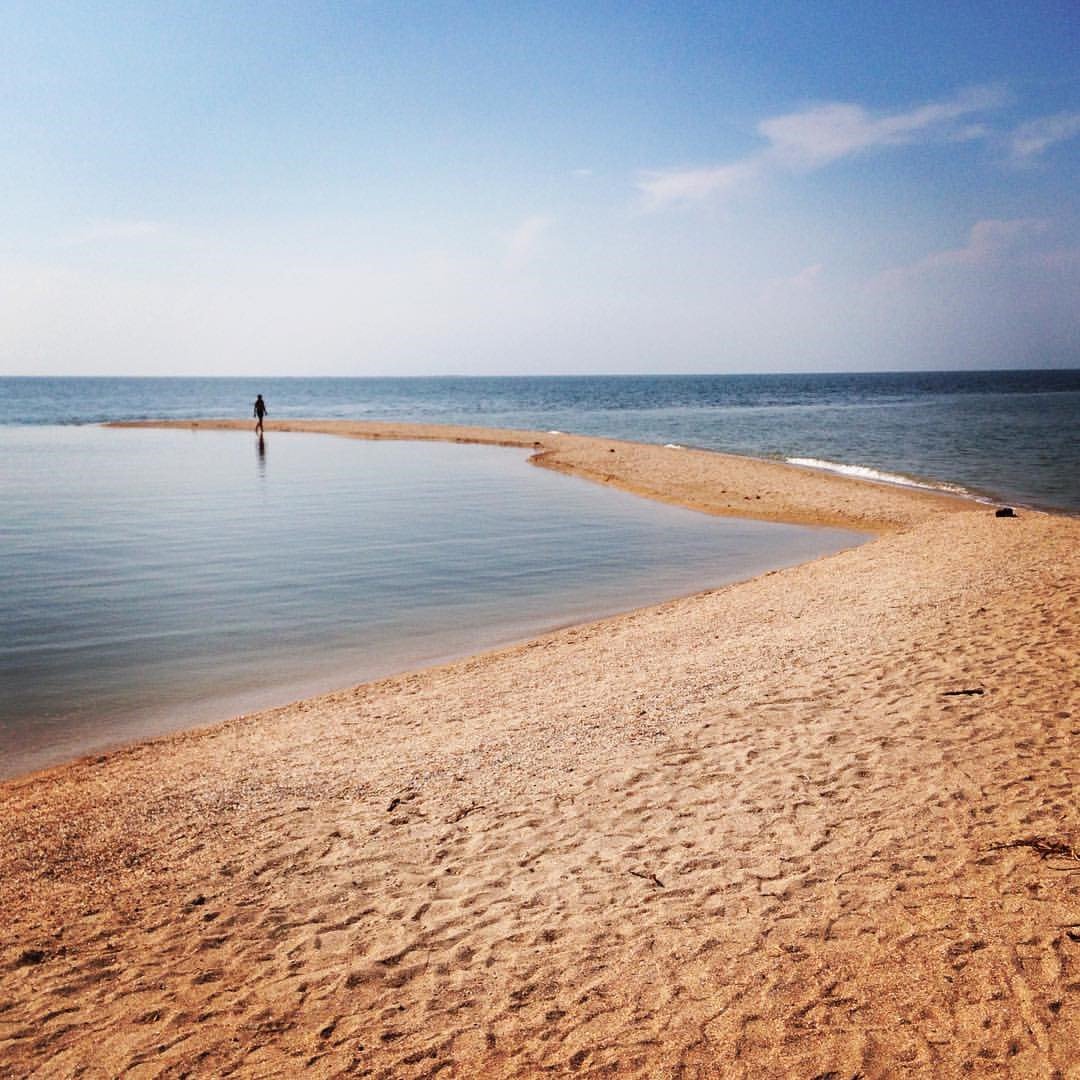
(577, 375)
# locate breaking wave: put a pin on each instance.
(864, 472)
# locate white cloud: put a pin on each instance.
(825, 133)
(819, 136)
(1031, 139)
(970, 132)
(672, 186)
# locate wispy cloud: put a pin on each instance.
(991, 243)
(665, 187)
(991, 240)
(818, 136)
(524, 240)
(815, 137)
(1031, 139)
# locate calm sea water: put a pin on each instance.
(1010, 435)
(150, 580)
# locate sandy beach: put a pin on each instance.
(819, 824)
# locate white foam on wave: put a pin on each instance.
(672, 446)
(864, 472)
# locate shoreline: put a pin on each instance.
(814, 821)
(682, 476)
(211, 709)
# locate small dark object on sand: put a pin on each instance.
(1047, 846)
(30, 956)
(1005, 511)
(958, 693)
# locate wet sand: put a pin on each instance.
(821, 823)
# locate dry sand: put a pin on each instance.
(818, 824)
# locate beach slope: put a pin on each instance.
(821, 823)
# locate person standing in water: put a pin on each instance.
(260, 412)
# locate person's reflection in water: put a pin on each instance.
(260, 452)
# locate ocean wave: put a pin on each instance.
(864, 472)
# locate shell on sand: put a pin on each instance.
(761, 831)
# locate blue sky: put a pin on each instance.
(427, 188)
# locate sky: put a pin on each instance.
(339, 187)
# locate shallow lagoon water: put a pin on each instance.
(153, 580)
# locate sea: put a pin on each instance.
(152, 580)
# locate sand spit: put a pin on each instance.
(822, 823)
(700, 479)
